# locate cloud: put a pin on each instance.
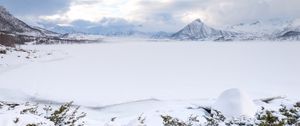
(170, 14)
(235, 11)
(215, 12)
(35, 7)
(104, 26)
(155, 15)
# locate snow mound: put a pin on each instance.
(235, 103)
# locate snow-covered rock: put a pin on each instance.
(197, 30)
(235, 103)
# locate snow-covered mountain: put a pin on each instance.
(106, 27)
(46, 32)
(82, 36)
(161, 35)
(59, 28)
(14, 31)
(10, 24)
(261, 27)
(197, 30)
(273, 29)
(291, 32)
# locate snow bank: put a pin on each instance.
(14, 119)
(235, 103)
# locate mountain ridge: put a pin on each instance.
(275, 30)
(10, 24)
(14, 31)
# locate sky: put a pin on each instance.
(150, 15)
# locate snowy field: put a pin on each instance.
(128, 78)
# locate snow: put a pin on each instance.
(128, 78)
(13, 95)
(126, 71)
(235, 103)
(8, 120)
(17, 57)
(13, 116)
(127, 113)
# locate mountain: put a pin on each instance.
(272, 29)
(62, 29)
(14, 31)
(197, 30)
(261, 27)
(96, 29)
(10, 24)
(289, 34)
(161, 35)
(47, 32)
(278, 29)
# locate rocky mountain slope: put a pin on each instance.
(14, 31)
(10, 24)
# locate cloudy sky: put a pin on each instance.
(151, 15)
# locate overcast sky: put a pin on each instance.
(151, 15)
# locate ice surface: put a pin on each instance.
(110, 78)
(13, 95)
(121, 71)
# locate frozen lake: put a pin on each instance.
(116, 72)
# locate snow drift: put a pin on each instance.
(235, 103)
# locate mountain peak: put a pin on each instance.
(197, 30)
(198, 20)
(3, 9)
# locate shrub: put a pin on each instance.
(170, 121)
(240, 121)
(2, 51)
(269, 118)
(214, 118)
(65, 116)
